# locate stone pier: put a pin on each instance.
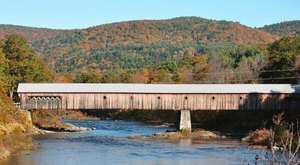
(185, 120)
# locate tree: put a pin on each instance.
(87, 77)
(249, 68)
(3, 69)
(201, 67)
(23, 63)
(116, 76)
(63, 79)
(141, 76)
(184, 75)
(160, 76)
(282, 61)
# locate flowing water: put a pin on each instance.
(109, 144)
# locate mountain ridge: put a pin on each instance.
(6, 29)
(286, 28)
(138, 43)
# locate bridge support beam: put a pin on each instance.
(185, 120)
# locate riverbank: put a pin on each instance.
(16, 136)
(15, 128)
(51, 120)
(15, 142)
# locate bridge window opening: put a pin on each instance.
(213, 98)
(185, 97)
(158, 97)
(104, 97)
(44, 102)
(241, 98)
(44, 97)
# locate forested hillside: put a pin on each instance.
(29, 33)
(179, 50)
(138, 44)
(288, 28)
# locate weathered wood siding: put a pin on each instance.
(159, 101)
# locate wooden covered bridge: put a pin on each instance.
(180, 97)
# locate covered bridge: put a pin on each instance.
(181, 97)
(159, 96)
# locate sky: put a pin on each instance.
(71, 14)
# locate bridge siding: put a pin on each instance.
(165, 101)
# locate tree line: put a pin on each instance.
(277, 62)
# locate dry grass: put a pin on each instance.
(258, 137)
(45, 119)
(51, 120)
(8, 112)
(74, 114)
(14, 126)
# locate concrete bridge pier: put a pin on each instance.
(185, 120)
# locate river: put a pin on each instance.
(109, 144)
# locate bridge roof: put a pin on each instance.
(155, 88)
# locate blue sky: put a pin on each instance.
(69, 14)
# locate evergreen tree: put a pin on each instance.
(282, 61)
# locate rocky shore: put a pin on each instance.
(172, 135)
(50, 121)
(66, 128)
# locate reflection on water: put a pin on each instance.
(109, 145)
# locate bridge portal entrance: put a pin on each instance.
(42, 102)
